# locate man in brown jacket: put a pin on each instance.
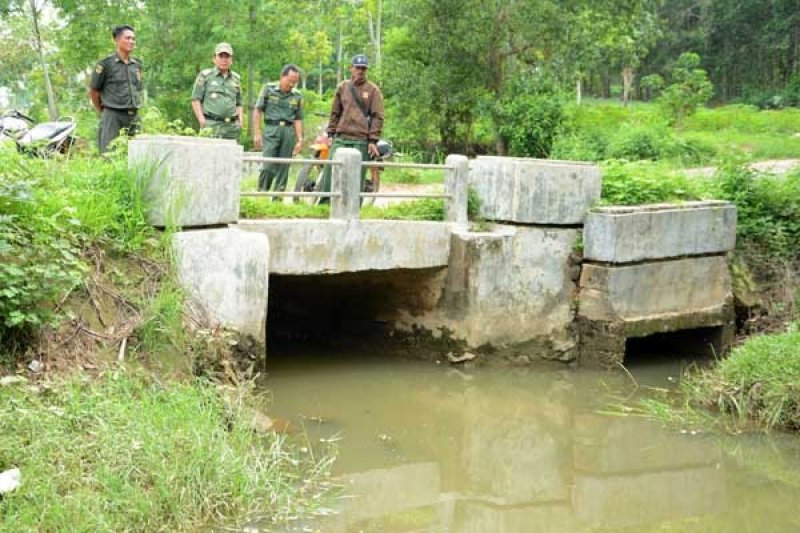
(356, 118)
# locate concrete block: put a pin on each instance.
(629, 234)
(225, 272)
(648, 498)
(187, 181)
(376, 493)
(337, 246)
(534, 191)
(654, 290)
(509, 286)
(613, 445)
(472, 516)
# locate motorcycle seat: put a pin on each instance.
(47, 131)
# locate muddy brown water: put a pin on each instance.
(426, 447)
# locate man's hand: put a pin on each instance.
(372, 149)
(297, 147)
(201, 122)
(257, 141)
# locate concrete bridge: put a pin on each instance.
(547, 275)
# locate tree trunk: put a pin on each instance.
(627, 82)
(52, 110)
(319, 78)
(339, 54)
(578, 91)
(251, 82)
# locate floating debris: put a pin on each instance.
(463, 358)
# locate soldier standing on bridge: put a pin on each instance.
(356, 118)
(115, 89)
(282, 108)
(217, 96)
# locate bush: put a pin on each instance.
(646, 183)
(530, 115)
(636, 143)
(39, 252)
(768, 206)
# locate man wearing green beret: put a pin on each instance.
(282, 108)
(115, 89)
(217, 96)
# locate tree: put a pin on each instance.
(689, 89)
(33, 9)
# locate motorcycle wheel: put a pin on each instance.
(304, 180)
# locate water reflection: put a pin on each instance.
(429, 448)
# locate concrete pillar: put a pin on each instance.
(187, 181)
(455, 184)
(346, 180)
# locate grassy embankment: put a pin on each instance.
(141, 444)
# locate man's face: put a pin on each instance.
(358, 73)
(223, 61)
(126, 41)
(290, 81)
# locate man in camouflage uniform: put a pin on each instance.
(115, 89)
(282, 108)
(356, 119)
(217, 96)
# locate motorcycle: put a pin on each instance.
(40, 140)
(310, 175)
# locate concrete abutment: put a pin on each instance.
(516, 290)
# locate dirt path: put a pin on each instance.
(406, 188)
(771, 166)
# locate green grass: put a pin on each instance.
(756, 387)
(127, 453)
(601, 129)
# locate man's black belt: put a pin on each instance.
(132, 111)
(221, 119)
(279, 122)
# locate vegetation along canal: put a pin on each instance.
(437, 447)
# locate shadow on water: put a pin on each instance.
(435, 447)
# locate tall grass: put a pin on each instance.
(126, 453)
(757, 386)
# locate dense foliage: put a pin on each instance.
(464, 87)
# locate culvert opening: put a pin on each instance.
(699, 345)
(346, 310)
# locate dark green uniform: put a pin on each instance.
(220, 96)
(120, 88)
(280, 111)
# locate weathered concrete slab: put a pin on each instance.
(188, 181)
(629, 234)
(471, 516)
(613, 445)
(534, 191)
(337, 246)
(650, 497)
(225, 272)
(654, 290)
(382, 492)
(509, 286)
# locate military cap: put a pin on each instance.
(223, 48)
(360, 60)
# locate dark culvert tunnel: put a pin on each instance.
(331, 311)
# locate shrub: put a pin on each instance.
(530, 115)
(39, 253)
(689, 89)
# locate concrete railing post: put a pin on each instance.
(346, 180)
(455, 184)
